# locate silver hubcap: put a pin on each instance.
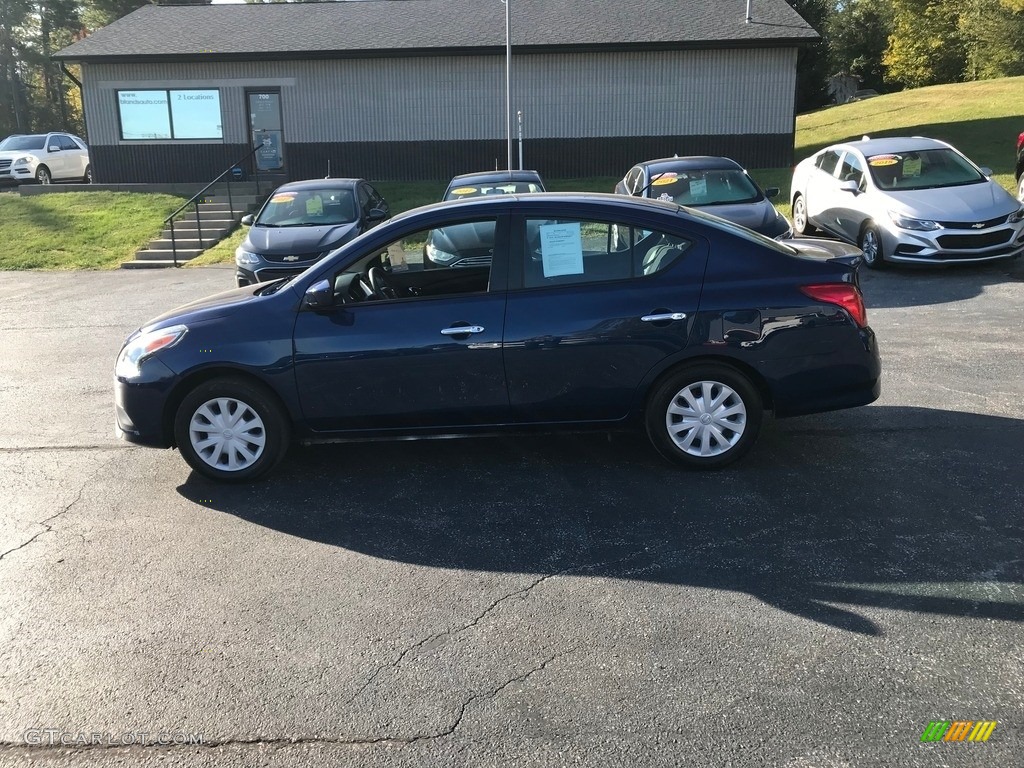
(870, 246)
(706, 418)
(799, 217)
(227, 434)
(1020, 189)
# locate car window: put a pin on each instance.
(574, 251)
(925, 169)
(376, 201)
(66, 142)
(631, 179)
(458, 256)
(308, 208)
(827, 161)
(364, 197)
(463, 191)
(704, 187)
(25, 143)
(852, 169)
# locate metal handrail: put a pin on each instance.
(169, 221)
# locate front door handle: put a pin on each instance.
(462, 329)
(664, 317)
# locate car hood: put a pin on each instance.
(13, 154)
(760, 216)
(969, 202)
(208, 308)
(288, 240)
(466, 237)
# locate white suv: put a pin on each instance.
(43, 158)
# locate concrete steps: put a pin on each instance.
(218, 217)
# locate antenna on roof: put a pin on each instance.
(328, 169)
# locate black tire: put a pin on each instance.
(234, 398)
(870, 242)
(801, 224)
(43, 175)
(87, 179)
(738, 430)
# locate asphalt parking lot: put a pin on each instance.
(517, 602)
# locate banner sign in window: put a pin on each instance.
(170, 114)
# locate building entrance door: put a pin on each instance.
(266, 130)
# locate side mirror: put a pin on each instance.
(849, 186)
(376, 215)
(248, 219)
(985, 170)
(771, 193)
(320, 295)
(53, 148)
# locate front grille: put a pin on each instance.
(974, 224)
(5, 164)
(971, 242)
(294, 258)
(262, 275)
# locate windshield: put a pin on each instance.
(926, 169)
(492, 188)
(704, 187)
(308, 208)
(15, 143)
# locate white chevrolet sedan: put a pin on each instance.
(912, 200)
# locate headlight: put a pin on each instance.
(246, 257)
(436, 254)
(921, 225)
(141, 347)
(1016, 216)
(27, 159)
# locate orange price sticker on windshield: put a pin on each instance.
(665, 178)
(464, 191)
(883, 160)
(282, 198)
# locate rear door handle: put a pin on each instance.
(462, 329)
(663, 317)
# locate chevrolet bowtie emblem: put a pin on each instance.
(290, 258)
(979, 225)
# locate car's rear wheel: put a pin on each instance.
(704, 416)
(43, 175)
(88, 175)
(871, 244)
(230, 429)
(801, 225)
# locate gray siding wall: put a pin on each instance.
(666, 93)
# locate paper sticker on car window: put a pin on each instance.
(314, 206)
(665, 178)
(464, 191)
(561, 249)
(881, 161)
(282, 198)
(912, 166)
(698, 187)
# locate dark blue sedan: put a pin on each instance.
(594, 311)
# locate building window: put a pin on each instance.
(170, 114)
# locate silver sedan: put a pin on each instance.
(914, 200)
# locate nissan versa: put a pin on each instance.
(684, 325)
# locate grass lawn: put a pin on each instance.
(78, 230)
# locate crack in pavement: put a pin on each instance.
(8, 746)
(115, 446)
(474, 622)
(47, 528)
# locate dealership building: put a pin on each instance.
(416, 89)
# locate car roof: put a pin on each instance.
(330, 183)
(891, 144)
(691, 163)
(483, 177)
(484, 202)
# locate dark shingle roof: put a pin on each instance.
(384, 27)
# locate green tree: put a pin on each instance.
(812, 64)
(993, 31)
(926, 46)
(858, 35)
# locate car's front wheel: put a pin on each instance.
(704, 416)
(801, 224)
(871, 244)
(1020, 188)
(231, 430)
(43, 175)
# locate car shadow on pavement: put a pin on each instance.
(902, 285)
(879, 509)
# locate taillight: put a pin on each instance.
(1020, 142)
(842, 295)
